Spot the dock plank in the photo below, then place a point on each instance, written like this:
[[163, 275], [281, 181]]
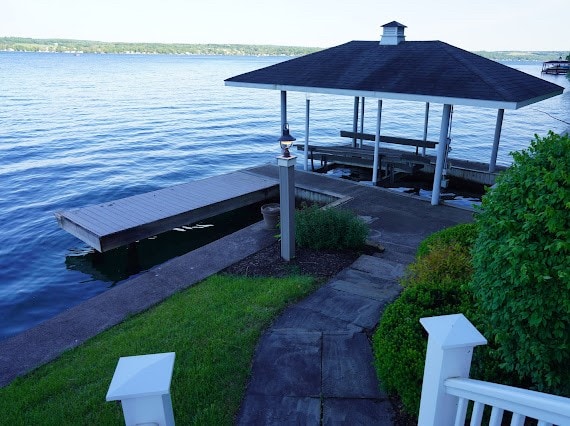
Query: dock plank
[[119, 222]]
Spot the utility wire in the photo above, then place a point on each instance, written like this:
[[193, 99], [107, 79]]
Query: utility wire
[[551, 116]]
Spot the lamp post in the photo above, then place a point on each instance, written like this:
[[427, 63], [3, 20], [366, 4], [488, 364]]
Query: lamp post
[[286, 164]]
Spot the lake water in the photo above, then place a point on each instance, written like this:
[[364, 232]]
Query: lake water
[[79, 130]]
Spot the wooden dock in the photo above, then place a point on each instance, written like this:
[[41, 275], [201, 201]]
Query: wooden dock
[[391, 160], [121, 222]]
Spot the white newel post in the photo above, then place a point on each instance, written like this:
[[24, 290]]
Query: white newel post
[[142, 384], [449, 351]]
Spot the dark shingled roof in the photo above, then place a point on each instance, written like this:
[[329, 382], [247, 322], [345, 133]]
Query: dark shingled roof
[[394, 24], [428, 71]]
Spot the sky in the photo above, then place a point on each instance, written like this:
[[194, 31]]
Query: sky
[[475, 25]]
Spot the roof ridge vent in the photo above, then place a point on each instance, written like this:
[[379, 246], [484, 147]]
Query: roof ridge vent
[[393, 34]]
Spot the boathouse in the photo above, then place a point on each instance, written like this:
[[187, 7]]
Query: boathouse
[[558, 67], [414, 71]]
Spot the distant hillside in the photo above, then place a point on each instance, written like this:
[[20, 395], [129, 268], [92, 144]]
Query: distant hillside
[[523, 56], [85, 46], [19, 44]]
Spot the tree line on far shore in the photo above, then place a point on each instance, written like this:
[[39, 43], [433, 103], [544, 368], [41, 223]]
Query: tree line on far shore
[[20, 44]]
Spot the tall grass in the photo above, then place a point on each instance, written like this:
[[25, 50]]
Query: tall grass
[[331, 228]]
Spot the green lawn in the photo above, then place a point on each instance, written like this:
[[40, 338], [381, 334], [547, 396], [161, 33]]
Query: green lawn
[[213, 327]]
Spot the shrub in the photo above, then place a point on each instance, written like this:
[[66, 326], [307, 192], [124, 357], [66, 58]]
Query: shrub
[[435, 284], [444, 256], [329, 229], [400, 342], [463, 234], [442, 264], [521, 264]]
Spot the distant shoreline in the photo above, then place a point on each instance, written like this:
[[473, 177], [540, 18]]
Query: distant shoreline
[[77, 53], [20, 44]]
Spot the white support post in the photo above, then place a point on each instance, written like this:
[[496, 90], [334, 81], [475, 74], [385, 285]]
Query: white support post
[[307, 110], [377, 144], [287, 205], [142, 384], [355, 120], [283, 109], [441, 154], [449, 351], [495, 151], [426, 119], [361, 121]]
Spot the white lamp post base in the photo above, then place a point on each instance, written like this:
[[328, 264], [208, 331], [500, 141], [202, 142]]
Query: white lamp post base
[[287, 205]]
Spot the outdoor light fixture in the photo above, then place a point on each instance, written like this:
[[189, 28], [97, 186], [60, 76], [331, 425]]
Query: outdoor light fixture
[[286, 166], [286, 140]]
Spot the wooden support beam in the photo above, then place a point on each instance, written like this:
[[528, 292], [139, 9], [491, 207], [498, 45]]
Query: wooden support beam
[[389, 139]]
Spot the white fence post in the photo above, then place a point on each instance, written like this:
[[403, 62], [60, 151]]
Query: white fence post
[[142, 384], [449, 351]]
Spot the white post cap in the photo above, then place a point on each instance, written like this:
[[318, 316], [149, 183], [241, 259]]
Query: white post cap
[[452, 331], [143, 375], [286, 161]]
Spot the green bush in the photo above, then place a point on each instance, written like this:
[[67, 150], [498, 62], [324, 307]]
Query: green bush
[[400, 341], [443, 263], [444, 256], [330, 228], [435, 284], [521, 264], [463, 234]]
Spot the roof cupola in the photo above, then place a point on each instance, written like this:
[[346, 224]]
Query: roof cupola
[[393, 34]]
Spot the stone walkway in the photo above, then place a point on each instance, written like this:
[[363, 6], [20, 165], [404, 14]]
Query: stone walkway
[[315, 364]]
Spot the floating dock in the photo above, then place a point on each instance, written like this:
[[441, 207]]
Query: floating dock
[[121, 222]]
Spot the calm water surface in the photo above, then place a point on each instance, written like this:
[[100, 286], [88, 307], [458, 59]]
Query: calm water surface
[[79, 130]]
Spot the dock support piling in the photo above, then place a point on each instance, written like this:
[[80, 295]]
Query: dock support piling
[[426, 119], [377, 144], [283, 109], [495, 151], [361, 122], [441, 154], [355, 120], [306, 151]]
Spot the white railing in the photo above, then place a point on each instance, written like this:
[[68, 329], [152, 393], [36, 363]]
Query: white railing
[[447, 390], [548, 409]]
